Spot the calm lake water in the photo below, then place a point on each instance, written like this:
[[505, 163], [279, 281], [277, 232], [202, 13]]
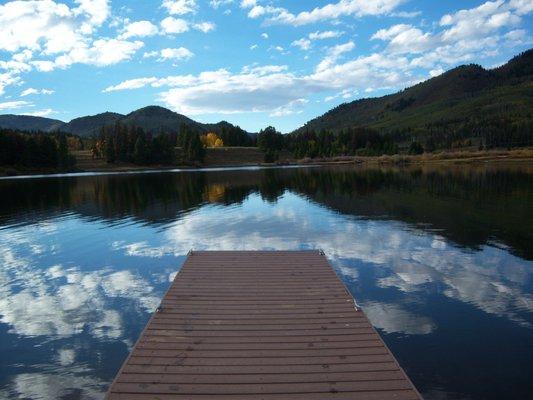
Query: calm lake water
[[439, 259]]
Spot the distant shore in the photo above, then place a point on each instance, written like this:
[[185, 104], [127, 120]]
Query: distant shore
[[249, 157], [444, 157]]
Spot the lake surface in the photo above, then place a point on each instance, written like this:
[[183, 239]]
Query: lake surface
[[439, 259]]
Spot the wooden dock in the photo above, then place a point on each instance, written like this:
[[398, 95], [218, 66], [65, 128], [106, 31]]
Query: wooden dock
[[259, 325]]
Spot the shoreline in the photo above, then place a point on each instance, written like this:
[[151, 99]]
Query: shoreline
[[444, 158]]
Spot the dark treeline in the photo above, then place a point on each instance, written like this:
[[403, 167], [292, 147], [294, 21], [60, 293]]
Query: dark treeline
[[125, 143], [35, 150], [482, 134], [361, 141], [234, 136], [349, 142]]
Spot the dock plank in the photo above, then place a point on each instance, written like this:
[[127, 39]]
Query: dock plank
[[259, 325]]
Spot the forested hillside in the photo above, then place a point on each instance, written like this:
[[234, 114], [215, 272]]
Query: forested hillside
[[29, 123], [465, 105], [91, 125]]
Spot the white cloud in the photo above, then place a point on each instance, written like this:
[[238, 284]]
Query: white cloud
[[253, 46], [102, 52], [180, 53], [517, 37], [217, 3], [248, 3], [406, 14], [453, 54], [264, 35], [522, 7], [344, 94], [30, 91], [48, 26], [98, 10], [7, 79], [150, 54], [303, 44], [478, 22], [252, 92], [41, 113], [172, 25], [264, 69], [15, 67], [325, 35], [43, 66], [12, 105], [59, 35], [23, 56], [393, 31], [248, 91], [293, 107], [132, 83], [330, 11], [265, 89], [464, 36], [436, 72], [257, 11], [205, 27], [333, 55], [180, 7], [32, 24], [404, 38], [139, 29]]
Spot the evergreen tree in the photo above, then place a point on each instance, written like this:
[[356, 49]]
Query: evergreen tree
[[47, 151], [110, 149], [270, 139], [140, 153], [194, 149], [163, 149], [62, 153], [415, 148]]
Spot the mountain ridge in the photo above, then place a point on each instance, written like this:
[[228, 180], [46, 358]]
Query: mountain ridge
[[29, 123], [154, 119]]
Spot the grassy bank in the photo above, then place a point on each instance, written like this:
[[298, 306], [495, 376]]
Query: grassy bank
[[215, 157], [525, 154]]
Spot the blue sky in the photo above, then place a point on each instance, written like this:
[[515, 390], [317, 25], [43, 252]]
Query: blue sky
[[251, 62]]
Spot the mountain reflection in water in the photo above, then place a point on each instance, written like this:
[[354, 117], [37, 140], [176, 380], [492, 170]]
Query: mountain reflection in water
[[440, 260]]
